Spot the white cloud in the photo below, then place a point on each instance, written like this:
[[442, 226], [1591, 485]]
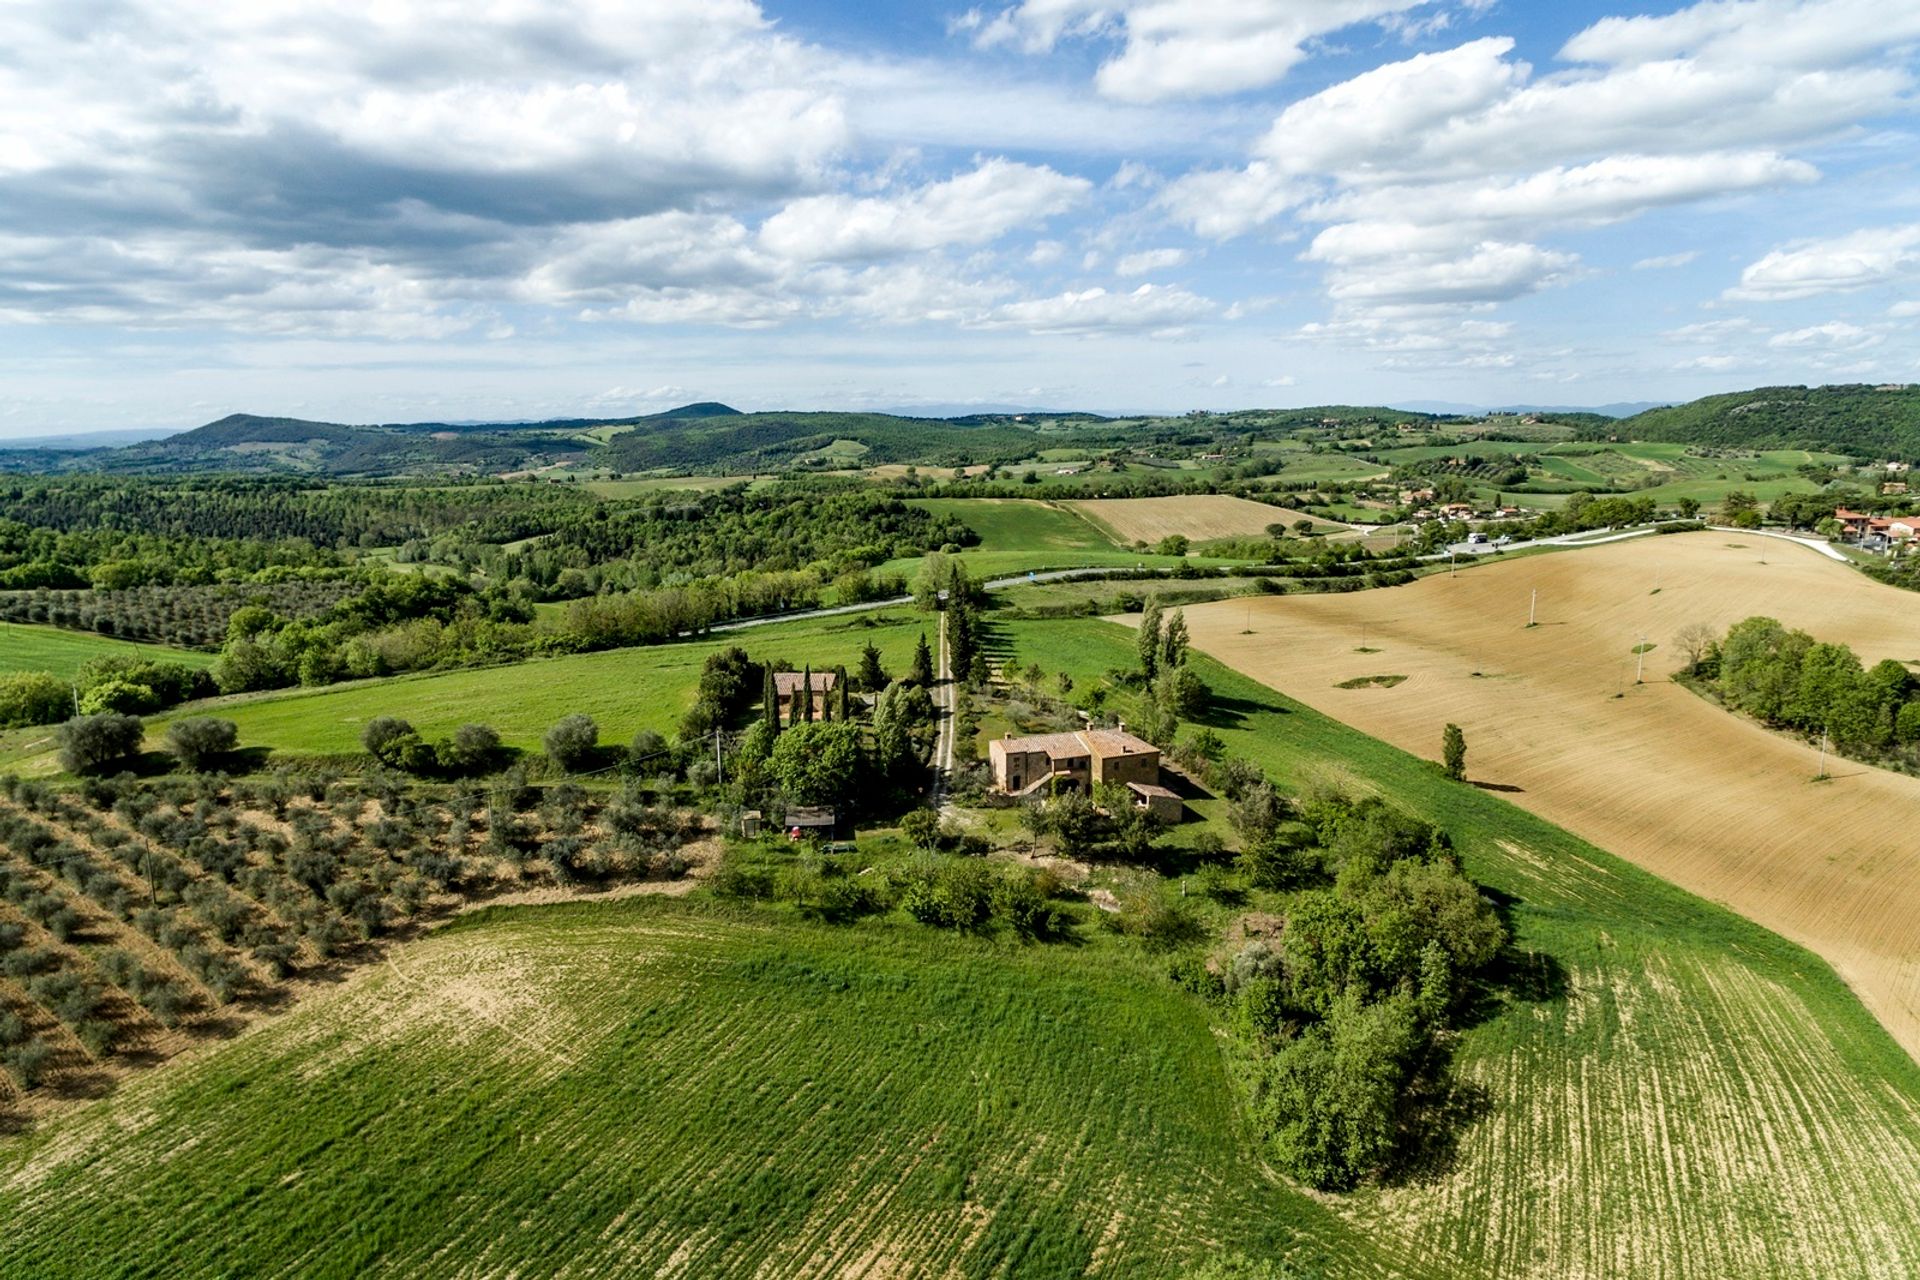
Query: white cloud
[[1046, 252], [1666, 261], [1441, 180], [1834, 335], [1181, 48], [1489, 272], [973, 208], [1149, 308], [1150, 260], [1713, 330], [1768, 33], [1857, 260]]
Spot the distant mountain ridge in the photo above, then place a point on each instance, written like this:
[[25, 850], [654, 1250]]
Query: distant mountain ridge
[[1859, 420]]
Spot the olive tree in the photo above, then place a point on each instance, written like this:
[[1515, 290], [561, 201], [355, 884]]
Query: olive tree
[[199, 742], [93, 744], [572, 741]]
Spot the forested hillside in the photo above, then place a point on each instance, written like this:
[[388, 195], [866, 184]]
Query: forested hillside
[[1866, 421], [768, 441]]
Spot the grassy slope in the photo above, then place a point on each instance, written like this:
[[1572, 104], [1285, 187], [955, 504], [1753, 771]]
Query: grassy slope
[[625, 690], [650, 1087], [1684, 1107], [1679, 1093], [31, 648], [1022, 534]]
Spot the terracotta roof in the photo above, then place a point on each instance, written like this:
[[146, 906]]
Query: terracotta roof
[[785, 682], [1056, 746], [1152, 789], [1113, 742]]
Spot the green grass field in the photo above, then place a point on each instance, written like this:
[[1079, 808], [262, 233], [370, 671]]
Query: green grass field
[[1656, 1087], [625, 690], [1020, 535], [33, 648], [650, 1087], [1690, 1095]]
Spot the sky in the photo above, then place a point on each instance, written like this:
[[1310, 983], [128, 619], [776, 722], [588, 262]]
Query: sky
[[496, 209]]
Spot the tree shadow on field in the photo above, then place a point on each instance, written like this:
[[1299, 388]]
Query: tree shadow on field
[[1440, 1107], [1505, 787], [1226, 712]]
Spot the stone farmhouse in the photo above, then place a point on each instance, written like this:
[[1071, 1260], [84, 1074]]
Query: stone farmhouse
[[1042, 763]]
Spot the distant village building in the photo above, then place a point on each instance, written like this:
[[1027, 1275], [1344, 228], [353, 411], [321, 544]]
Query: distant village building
[[1078, 761], [1876, 533]]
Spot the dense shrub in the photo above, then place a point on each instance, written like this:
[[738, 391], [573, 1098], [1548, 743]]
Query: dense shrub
[[98, 743], [201, 742], [33, 697], [572, 741]]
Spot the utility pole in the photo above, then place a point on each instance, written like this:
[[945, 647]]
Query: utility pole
[[1821, 776], [719, 762], [1533, 607], [1640, 665]]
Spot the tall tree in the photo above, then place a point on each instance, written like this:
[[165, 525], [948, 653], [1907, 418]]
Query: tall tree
[[921, 672], [873, 676], [960, 639], [1453, 751], [770, 700], [1173, 641], [840, 693], [806, 694], [1148, 639]]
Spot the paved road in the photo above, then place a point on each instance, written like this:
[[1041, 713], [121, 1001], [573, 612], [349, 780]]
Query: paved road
[[943, 742], [1821, 545], [1590, 538], [865, 606]]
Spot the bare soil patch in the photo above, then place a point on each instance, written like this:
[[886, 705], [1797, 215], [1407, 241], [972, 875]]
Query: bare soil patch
[[1194, 516], [1710, 801]]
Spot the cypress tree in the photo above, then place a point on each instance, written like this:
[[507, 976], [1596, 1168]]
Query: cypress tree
[[921, 673], [873, 676], [806, 694], [840, 693], [770, 700], [1149, 638], [1173, 642]]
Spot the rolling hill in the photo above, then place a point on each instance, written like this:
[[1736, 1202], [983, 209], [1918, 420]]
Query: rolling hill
[[1866, 421]]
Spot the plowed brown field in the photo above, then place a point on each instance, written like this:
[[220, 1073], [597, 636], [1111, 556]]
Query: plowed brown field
[[1197, 516], [1699, 796]]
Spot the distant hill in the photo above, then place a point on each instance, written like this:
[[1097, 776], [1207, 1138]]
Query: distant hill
[[739, 442], [88, 439], [713, 437], [1865, 421], [1452, 409]]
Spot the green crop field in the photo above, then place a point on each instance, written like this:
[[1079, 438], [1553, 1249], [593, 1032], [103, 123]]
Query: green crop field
[[1654, 1086], [1021, 524], [625, 690], [1690, 1095], [650, 1087], [33, 648], [1019, 535]]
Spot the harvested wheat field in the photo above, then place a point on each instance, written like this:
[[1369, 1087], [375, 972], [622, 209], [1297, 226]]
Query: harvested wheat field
[[1712, 802], [1195, 516]]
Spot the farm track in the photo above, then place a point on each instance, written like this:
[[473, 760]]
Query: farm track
[[1712, 802]]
